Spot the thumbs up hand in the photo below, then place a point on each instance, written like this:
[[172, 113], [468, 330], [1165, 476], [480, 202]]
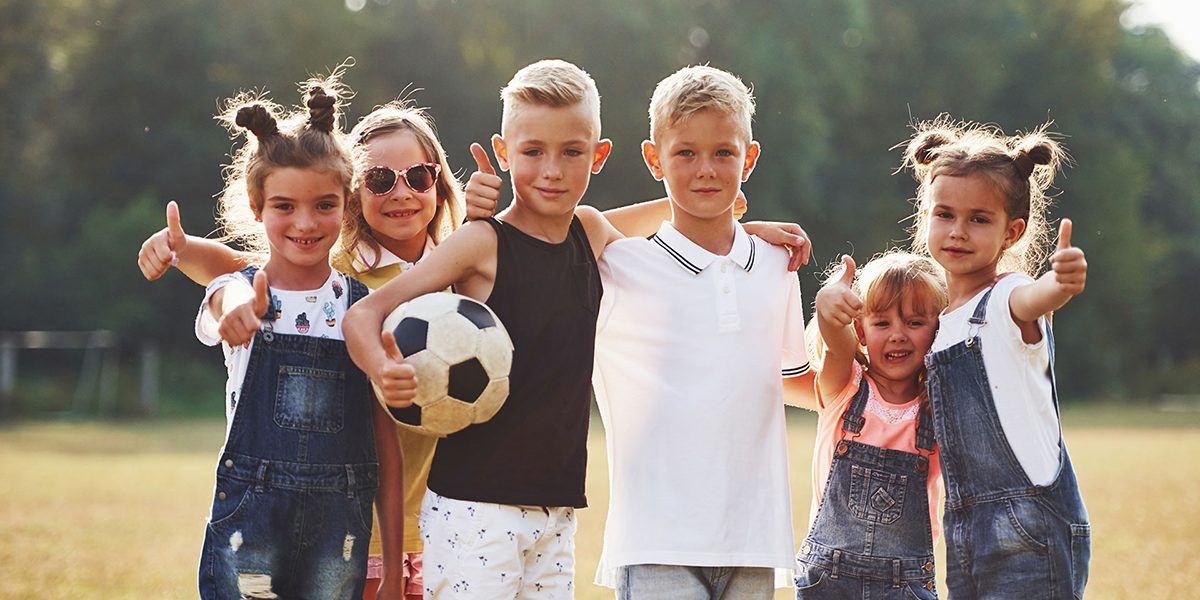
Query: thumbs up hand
[[395, 380], [161, 250], [483, 188], [1068, 263], [836, 301], [238, 325]]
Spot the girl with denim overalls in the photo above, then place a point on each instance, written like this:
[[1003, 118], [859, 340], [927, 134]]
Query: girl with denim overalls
[[296, 479], [1015, 523], [875, 467]]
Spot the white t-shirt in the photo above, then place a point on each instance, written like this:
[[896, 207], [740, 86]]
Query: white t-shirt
[[315, 313], [1017, 373], [690, 352]]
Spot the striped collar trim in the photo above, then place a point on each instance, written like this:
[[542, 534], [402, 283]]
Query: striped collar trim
[[695, 259]]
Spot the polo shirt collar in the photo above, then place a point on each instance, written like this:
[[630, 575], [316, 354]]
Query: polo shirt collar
[[695, 259], [386, 258]]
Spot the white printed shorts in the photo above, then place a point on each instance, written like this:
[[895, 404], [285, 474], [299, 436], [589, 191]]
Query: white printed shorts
[[497, 551]]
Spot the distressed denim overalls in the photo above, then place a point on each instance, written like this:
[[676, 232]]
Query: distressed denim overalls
[[871, 539], [291, 514], [1005, 537]]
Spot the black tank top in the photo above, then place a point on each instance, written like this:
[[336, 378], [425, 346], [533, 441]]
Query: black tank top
[[534, 451]]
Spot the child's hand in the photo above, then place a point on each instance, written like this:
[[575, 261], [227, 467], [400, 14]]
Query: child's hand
[[1068, 263], [390, 588], [483, 189], [239, 324], [161, 250], [395, 379], [788, 235], [836, 302], [739, 206]]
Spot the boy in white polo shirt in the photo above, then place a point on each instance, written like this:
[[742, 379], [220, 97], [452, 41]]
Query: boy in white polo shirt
[[700, 336]]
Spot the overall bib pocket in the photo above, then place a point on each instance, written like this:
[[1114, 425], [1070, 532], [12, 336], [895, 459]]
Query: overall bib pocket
[[876, 496], [309, 399]]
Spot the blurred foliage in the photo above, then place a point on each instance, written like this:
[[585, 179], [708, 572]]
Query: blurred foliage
[[108, 107]]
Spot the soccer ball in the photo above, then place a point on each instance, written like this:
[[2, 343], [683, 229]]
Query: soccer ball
[[462, 356]]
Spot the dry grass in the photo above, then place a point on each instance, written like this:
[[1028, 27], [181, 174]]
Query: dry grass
[[97, 510]]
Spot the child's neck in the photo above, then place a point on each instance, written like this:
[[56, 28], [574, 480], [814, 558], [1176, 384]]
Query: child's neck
[[548, 228], [714, 235], [287, 276], [895, 391], [410, 250], [962, 287]]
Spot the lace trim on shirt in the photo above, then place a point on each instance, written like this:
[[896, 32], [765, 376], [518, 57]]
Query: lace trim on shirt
[[891, 415]]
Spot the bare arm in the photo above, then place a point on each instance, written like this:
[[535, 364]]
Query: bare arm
[[600, 231], [466, 260], [837, 308], [389, 500], [1051, 291], [202, 260], [798, 391], [789, 235], [641, 219]]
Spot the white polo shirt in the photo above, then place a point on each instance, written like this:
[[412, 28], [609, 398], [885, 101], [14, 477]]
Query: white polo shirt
[[690, 349]]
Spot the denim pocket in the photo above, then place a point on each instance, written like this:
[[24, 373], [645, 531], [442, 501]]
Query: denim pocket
[[229, 499], [1081, 555], [809, 581], [309, 399], [918, 591], [876, 496], [1026, 526]]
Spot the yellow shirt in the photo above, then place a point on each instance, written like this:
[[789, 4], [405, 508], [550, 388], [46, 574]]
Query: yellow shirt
[[417, 449]]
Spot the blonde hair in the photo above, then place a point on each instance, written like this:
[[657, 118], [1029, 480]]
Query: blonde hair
[[693, 89], [1021, 167], [391, 118], [885, 281], [553, 83], [306, 138]]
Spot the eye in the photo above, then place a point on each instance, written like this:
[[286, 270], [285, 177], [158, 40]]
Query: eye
[[532, 152], [724, 152], [282, 206], [980, 219], [573, 152], [942, 214], [327, 205], [916, 323], [685, 153]]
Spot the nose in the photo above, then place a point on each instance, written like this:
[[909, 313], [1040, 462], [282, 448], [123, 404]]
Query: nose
[[552, 169], [707, 169]]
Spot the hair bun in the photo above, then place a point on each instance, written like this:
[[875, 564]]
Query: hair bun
[[321, 112], [1028, 158], [258, 120], [922, 150]]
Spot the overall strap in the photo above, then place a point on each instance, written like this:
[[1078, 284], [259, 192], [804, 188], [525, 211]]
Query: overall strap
[[925, 439], [248, 273], [358, 291], [852, 419]]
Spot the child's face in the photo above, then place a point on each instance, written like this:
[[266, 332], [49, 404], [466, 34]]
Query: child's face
[[551, 154], [702, 160], [403, 214], [969, 227], [897, 340], [302, 213]]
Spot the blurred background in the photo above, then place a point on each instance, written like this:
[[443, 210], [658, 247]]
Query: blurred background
[[107, 112], [108, 109]]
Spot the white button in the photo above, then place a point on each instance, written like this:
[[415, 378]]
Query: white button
[[723, 264], [725, 289]]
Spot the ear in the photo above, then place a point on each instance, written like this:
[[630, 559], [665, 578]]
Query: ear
[[1013, 233], [650, 155], [500, 149], [254, 208], [859, 334], [752, 152], [603, 149]]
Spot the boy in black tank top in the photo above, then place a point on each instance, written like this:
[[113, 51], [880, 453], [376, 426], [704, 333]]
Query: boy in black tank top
[[498, 520]]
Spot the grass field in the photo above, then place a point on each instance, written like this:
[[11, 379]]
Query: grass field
[[116, 510]]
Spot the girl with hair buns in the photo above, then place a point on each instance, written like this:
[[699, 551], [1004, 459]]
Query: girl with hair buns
[[406, 201], [875, 469], [1015, 522], [297, 476]]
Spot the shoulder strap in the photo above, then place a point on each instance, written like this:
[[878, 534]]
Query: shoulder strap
[[852, 419], [248, 273], [358, 290]]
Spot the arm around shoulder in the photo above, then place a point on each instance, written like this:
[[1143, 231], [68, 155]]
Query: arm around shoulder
[[600, 231]]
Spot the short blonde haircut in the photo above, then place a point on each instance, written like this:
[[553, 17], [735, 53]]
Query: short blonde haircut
[[693, 89], [553, 83]]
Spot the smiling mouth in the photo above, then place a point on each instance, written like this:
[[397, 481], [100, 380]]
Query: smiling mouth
[[956, 251], [401, 214], [305, 242], [551, 191], [897, 355]]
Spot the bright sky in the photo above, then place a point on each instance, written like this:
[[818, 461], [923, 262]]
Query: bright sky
[[1179, 18]]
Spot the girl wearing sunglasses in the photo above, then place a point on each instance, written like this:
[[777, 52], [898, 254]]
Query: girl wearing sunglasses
[[408, 200]]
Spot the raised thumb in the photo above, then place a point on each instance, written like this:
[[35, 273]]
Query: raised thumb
[[1064, 234], [390, 347], [483, 163]]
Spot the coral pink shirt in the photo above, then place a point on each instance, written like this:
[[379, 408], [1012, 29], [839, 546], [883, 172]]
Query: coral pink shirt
[[891, 426]]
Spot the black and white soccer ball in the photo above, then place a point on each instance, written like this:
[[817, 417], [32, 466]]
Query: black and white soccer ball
[[462, 355]]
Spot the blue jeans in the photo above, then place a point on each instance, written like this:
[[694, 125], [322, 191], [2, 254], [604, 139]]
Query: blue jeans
[[677, 582]]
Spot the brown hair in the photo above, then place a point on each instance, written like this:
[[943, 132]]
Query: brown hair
[[884, 282], [307, 138], [391, 118], [1021, 167]]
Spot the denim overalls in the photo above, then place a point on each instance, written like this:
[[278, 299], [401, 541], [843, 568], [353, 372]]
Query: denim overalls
[[291, 514], [871, 539], [1005, 537]]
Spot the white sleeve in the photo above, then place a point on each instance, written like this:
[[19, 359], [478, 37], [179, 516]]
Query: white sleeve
[[998, 304], [206, 323], [795, 350]]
